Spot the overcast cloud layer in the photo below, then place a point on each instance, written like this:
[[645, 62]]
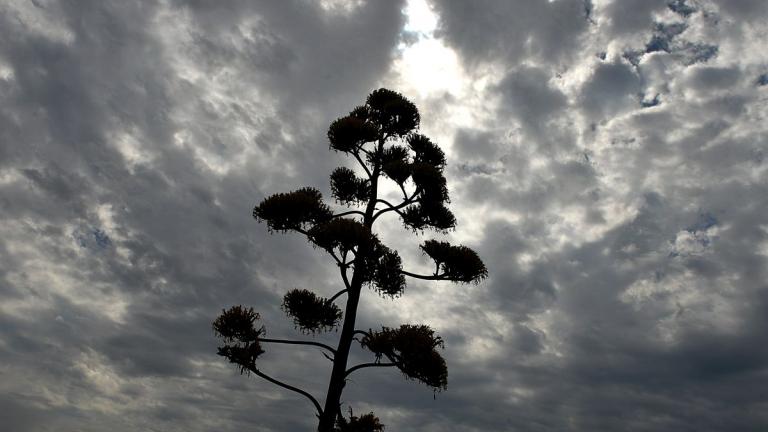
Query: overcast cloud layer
[[606, 158]]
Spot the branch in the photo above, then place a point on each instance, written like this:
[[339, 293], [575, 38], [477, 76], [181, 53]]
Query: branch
[[402, 188], [425, 277], [406, 201], [391, 207], [344, 277], [292, 342], [330, 251], [394, 358], [289, 387], [335, 258], [362, 332], [362, 149], [365, 167], [366, 365], [357, 212], [337, 295]]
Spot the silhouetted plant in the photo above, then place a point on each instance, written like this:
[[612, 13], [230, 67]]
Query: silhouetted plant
[[381, 137], [365, 423]]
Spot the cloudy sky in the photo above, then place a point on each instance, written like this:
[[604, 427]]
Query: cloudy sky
[[607, 159]]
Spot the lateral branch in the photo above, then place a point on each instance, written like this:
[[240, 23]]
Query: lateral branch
[[367, 365], [289, 387], [337, 295], [394, 208], [293, 342], [351, 212], [425, 277], [363, 164]]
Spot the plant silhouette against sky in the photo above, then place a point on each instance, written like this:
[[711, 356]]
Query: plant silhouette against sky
[[381, 136]]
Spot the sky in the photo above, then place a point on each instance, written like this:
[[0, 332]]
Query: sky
[[606, 159]]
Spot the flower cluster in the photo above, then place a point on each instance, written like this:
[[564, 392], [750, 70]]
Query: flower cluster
[[365, 423], [293, 210], [349, 133], [458, 263], [236, 326], [413, 349], [387, 278], [311, 313], [394, 114], [347, 188], [395, 163], [426, 151], [347, 235]]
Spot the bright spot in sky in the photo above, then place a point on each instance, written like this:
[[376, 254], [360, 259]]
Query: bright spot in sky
[[427, 65], [420, 17]]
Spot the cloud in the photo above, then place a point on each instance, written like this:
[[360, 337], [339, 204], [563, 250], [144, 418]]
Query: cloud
[[632, 16], [605, 158], [130, 173], [610, 262], [612, 88], [744, 9], [512, 31]]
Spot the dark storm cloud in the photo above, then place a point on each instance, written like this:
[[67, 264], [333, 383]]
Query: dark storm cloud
[[527, 91], [514, 290], [625, 238], [122, 240], [512, 31], [612, 88], [473, 144], [526, 95], [630, 313], [295, 45], [611, 354]]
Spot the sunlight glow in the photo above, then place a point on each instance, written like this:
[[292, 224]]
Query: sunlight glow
[[427, 66], [421, 18], [430, 67]]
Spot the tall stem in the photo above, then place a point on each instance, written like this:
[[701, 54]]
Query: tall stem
[[338, 374]]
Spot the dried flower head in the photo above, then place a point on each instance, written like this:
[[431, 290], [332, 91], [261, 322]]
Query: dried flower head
[[236, 326], [458, 263], [395, 163], [348, 133], [311, 313], [365, 423], [342, 233], [429, 215], [413, 349], [347, 188], [293, 210], [387, 278], [396, 115], [426, 151]]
